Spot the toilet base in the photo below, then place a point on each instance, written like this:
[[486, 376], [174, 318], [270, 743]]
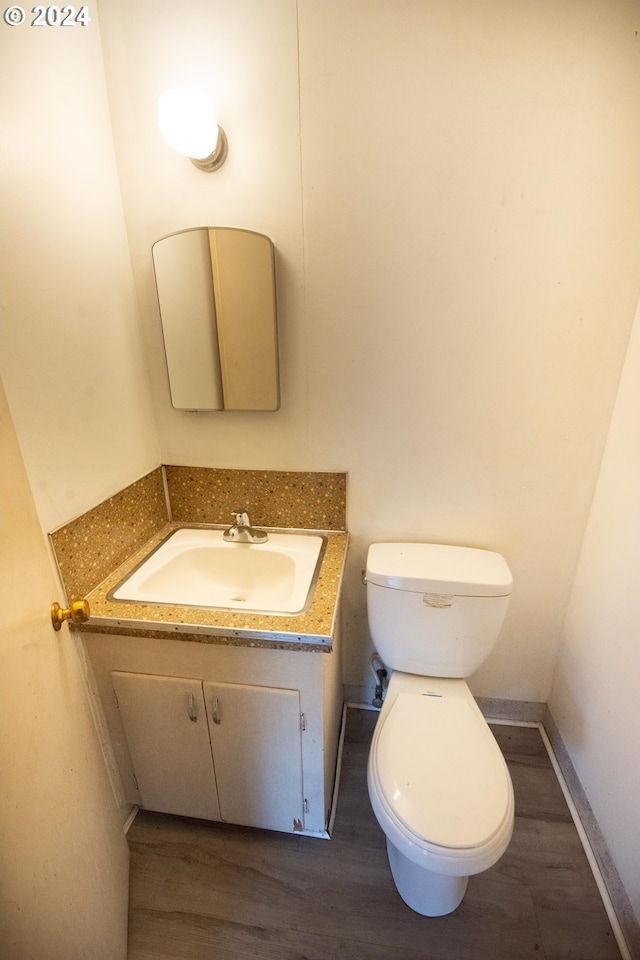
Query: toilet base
[[428, 893]]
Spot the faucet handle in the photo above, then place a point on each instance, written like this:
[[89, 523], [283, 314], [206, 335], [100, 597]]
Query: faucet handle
[[242, 531]]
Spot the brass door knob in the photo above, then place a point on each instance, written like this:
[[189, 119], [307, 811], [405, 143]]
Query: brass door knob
[[78, 612]]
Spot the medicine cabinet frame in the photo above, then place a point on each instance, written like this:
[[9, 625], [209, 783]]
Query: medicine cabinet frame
[[217, 300]]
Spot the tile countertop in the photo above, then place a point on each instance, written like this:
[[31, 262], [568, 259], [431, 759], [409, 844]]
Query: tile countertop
[[313, 630]]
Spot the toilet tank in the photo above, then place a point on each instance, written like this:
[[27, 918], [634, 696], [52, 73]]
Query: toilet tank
[[433, 609]]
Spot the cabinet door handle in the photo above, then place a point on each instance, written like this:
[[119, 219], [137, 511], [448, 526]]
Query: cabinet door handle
[[215, 710], [192, 709]]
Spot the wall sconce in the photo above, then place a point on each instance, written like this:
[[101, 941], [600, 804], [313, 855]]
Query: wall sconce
[[189, 125]]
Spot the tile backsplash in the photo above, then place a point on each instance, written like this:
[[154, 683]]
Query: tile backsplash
[[93, 545], [90, 547], [274, 498]]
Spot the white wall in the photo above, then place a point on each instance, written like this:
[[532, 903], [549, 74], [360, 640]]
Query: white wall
[[73, 368], [594, 699], [70, 354], [464, 164], [246, 53], [455, 207]]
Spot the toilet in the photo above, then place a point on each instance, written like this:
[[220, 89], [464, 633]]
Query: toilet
[[438, 782]]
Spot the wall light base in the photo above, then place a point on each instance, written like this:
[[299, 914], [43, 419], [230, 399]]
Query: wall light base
[[215, 160]]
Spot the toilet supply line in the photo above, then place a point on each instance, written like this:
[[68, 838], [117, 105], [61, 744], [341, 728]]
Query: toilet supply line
[[380, 674]]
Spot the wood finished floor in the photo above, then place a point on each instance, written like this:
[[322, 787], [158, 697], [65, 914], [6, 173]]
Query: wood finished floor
[[207, 891]]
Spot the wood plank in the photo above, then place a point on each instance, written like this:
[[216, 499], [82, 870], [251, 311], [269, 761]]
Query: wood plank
[[202, 889]]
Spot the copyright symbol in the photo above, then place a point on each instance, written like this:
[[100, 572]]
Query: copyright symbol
[[14, 16]]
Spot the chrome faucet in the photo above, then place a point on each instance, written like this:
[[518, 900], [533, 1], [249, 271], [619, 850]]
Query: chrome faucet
[[242, 531]]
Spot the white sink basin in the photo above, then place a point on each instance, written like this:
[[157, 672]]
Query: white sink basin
[[197, 568]]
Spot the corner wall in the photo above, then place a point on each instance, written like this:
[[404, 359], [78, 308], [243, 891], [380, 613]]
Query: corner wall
[[594, 701], [71, 355], [452, 192]]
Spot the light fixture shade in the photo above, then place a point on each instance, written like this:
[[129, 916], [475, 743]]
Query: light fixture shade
[[188, 124]]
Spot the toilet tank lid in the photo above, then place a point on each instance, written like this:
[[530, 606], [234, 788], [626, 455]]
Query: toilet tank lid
[[439, 568]]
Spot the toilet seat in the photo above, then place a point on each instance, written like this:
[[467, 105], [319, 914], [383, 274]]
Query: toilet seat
[[439, 784]]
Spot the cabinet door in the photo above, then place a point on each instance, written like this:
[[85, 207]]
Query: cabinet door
[[165, 724], [256, 741]]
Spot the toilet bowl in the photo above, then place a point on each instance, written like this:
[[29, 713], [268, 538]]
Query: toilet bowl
[[440, 790], [438, 782]]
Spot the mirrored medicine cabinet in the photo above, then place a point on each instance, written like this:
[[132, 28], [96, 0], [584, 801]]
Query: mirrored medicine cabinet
[[216, 292]]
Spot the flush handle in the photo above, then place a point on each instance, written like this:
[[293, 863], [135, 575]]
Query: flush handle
[[78, 612], [438, 600]]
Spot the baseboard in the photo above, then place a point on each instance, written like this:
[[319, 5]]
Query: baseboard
[[354, 694], [336, 782], [527, 711], [523, 710], [133, 810], [629, 925]]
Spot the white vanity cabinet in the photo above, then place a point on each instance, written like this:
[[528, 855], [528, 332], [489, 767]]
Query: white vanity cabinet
[[170, 752], [256, 735], [237, 733], [219, 751]]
